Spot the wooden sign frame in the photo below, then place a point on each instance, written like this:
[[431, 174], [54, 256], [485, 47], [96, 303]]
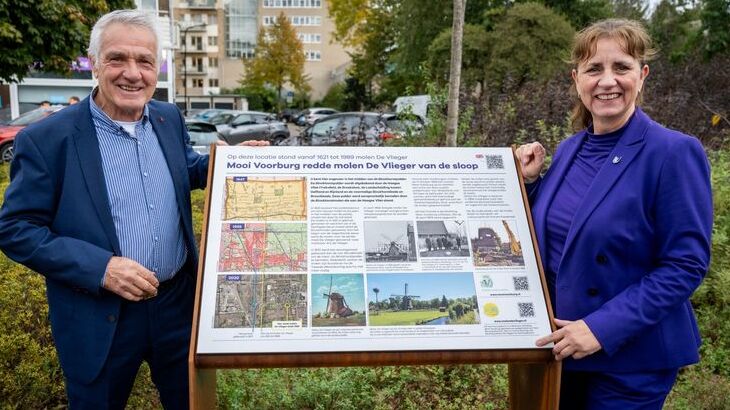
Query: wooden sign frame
[[534, 375]]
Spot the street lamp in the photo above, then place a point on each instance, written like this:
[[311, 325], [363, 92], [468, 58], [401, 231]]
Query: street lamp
[[185, 59]]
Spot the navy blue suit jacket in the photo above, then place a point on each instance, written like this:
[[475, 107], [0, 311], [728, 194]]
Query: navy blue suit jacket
[[638, 246], [56, 220]]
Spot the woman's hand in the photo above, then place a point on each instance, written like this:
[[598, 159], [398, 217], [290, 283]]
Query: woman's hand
[[573, 338], [532, 158]]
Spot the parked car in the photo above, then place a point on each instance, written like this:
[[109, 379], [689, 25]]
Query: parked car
[[310, 115], [217, 116], [254, 125], [399, 126], [289, 114], [11, 129], [202, 134], [203, 114], [354, 128], [418, 105]]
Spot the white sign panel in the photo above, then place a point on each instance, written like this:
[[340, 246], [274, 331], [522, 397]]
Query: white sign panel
[[368, 249]]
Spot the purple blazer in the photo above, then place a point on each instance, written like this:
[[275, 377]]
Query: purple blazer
[[638, 247]]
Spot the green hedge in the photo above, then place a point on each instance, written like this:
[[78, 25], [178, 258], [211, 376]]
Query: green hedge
[[31, 378]]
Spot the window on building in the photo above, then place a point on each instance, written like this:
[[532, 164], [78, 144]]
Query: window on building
[[310, 38], [313, 55], [213, 61], [213, 82], [197, 18], [293, 4], [213, 40], [212, 19], [197, 43], [241, 28], [197, 83], [306, 20]]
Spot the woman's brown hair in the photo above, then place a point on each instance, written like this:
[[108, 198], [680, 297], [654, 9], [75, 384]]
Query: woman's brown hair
[[634, 41]]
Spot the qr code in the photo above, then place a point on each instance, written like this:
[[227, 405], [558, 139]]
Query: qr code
[[521, 283], [494, 161], [526, 309]]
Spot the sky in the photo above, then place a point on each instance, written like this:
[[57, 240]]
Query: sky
[[348, 285], [425, 285]]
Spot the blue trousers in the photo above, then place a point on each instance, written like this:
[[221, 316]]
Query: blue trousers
[[619, 391], [155, 330]]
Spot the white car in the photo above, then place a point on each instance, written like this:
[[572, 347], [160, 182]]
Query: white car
[[310, 115]]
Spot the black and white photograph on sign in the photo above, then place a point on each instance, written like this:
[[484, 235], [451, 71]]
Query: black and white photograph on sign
[[252, 301], [338, 300], [422, 299], [495, 243], [263, 247], [442, 238], [389, 241]]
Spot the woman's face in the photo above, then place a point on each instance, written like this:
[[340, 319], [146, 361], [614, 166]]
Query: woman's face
[[608, 83]]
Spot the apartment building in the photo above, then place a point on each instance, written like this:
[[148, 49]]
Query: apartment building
[[216, 35], [326, 60]]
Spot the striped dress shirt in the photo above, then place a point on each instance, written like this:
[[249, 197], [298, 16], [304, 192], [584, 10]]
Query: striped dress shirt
[[141, 195]]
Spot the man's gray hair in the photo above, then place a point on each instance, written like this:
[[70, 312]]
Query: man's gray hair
[[138, 18]]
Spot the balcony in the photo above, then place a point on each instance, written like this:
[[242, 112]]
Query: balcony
[[193, 70], [201, 4]]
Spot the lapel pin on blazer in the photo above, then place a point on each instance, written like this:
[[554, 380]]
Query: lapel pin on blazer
[[616, 159]]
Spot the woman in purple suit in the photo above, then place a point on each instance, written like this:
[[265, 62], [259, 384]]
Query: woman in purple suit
[[623, 218]]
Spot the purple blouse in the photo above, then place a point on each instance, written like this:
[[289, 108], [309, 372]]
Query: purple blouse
[[587, 162]]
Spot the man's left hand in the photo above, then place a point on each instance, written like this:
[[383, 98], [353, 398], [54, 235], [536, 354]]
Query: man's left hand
[[573, 338]]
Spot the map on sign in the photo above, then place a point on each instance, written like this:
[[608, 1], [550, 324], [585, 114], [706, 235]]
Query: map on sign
[[265, 199], [263, 247], [260, 300]]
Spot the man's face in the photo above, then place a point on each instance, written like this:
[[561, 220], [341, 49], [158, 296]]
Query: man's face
[[126, 70]]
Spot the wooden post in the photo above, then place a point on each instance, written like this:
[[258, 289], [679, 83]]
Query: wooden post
[[202, 388], [534, 385]]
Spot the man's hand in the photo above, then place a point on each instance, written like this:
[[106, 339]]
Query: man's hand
[[251, 143], [532, 158], [573, 338], [129, 279], [254, 143]]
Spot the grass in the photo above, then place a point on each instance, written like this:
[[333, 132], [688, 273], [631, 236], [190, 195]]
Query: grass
[[404, 317]]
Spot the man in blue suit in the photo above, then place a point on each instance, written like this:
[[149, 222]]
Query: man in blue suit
[[99, 203]]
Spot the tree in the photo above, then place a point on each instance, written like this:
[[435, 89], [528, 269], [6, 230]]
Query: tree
[[475, 56], [452, 118], [581, 13], [47, 35], [279, 59], [368, 28], [335, 97], [716, 26], [444, 301], [530, 43], [673, 27], [630, 9]]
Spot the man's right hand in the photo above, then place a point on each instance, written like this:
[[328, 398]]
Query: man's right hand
[[129, 279], [532, 158]]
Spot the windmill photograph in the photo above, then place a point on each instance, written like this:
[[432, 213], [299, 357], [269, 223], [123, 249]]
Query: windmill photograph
[[338, 300], [495, 243], [422, 299], [390, 241]]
